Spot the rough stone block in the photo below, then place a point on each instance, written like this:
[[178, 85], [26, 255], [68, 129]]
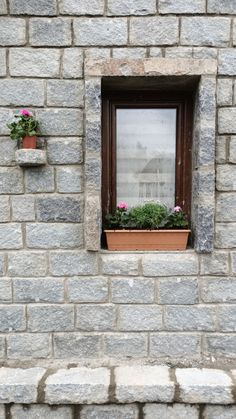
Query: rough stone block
[[225, 236], [23, 208], [221, 149], [95, 317], [178, 291], [6, 117], [190, 318], [138, 318], [87, 290], [232, 149], [82, 7], [2, 264], [12, 31], [33, 7], [2, 350], [78, 385], [65, 150], [220, 412], [70, 70], [5, 290], [30, 158], [93, 174], [204, 222], [162, 264], [181, 6], [180, 52], [227, 318], [225, 207], [100, 31], [224, 92], [110, 411], [133, 7], [12, 318], [58, 122], [40, 290], [132, 290], [19, 385], [205, 53], [214, 264], [50, 32], [59, 209], [4, 209], [28, 62], [120, 264], [69, 179], [221, 6], [175, 345], [39, 179], [218, 290], [73, 263], [154, 31], [98, 53], [227, 61], [21, 92], [93, 134], [41, 411], [10, 236], [27, 264], [205, 31], [143, 384], [123, 345], [130, 53], [227, 121], [50, 318], [11, 180], [204, 386], [28, 345], [3, 7], [57, 236], [8, 148], [221, 345], [93, 95], [92, 229], [175, 411], [226, 177], [65, 93], [76, 345], [156, 52]]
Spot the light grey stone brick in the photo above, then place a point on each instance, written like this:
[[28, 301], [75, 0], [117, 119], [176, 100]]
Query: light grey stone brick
[[221, 345], [6, 117], [93, 95], [12, 31], [50, 32], [50, 318], [120, 264], [100, 31], [221, 149], [59, 209], [87, 290], [70, 57], [156, 52], [131, 53], [4, 209], [93, 174], [178, 291], [221, 6], [59, 122], [95, 317], [11, 180], [133, 7], [64, 150], [3, 7], [5, 290], [139, 317], [225, 236], [143, 384], [220, 412], [93, 134], [57, 236], [21, 92], [132, 290], [225, 207], [27, 264], [178, 52], [78, 385], [82, 7], [233, 257], [98, 53], [204, 232], [227, 62], [227, 318], [2, 264], [12, 318], [73, 263], [154, 31], [218, 290], [30, 62], [76, 345], [175, 411], [32, 7], [232, 149], [39, 179], [189, 318], [40, 411], [2, 60], [28, 345], [8, 148], [175, 345], [161, 264], [205, 31], [181, 6], [10, 236], [204, 385], [224, 92], [205, 53], [69, 179], [123, 345], [40, 290], [2, 349], [20, 385], [92, 222], [227, 124], [214, 264], [23, 208], [28, 157], [68, 93], [226, 177], [110, 411]]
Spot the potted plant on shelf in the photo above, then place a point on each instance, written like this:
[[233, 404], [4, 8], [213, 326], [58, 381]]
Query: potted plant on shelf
[[150, 226], [25, 129]]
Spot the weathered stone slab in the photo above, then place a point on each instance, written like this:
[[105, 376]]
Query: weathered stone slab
[[81, 7], [154, 31], [32, 7], [41, 411], [28, 346], [133, 7], [12, 31], [181, 6], [205, 31], [175, 345], [28, 157], [50, 32], [21, 92], [113, 411], [76, 346], [100, 31], [123, 345], [175, 411], [28, 62], [162, 264]]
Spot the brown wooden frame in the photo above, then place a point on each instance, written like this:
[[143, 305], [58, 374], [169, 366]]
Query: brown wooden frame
[[183, 102]]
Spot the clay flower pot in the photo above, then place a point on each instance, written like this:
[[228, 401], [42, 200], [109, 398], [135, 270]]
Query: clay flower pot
[[29, 142]]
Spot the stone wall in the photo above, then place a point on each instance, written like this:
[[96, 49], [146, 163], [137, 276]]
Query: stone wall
[[62, 299]]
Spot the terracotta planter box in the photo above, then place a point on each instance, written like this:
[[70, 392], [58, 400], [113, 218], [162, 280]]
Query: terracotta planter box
[[147, 239]]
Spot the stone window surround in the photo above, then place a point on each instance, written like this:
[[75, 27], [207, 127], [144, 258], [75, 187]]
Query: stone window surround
[[204, 133]]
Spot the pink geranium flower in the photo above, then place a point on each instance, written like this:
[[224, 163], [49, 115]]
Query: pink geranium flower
[[122, 205], [177, 209], [25, 112]]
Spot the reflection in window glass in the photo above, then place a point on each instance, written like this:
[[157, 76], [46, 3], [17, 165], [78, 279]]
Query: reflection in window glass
[[146, 151]]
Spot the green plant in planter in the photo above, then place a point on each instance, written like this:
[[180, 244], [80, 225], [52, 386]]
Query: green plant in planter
[[25, 125]]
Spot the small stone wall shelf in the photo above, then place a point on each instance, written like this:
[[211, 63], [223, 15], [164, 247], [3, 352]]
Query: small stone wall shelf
[[26, 157]]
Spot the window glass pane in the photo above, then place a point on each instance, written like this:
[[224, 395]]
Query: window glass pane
[[146, 151]]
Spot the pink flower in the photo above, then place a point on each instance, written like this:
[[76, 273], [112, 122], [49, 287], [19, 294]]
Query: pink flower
[[122, 205], [25, 112], [177, 209]]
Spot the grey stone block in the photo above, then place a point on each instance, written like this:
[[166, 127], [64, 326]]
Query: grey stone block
[[156, 52], [20, 385], [11, 180], [33, 7], [12, 318], [124, 345], [27, 264], [82, 7], [205, 53], [78, 385], [224, 92], [227, 124], [41, 411], [225, 235], [40, 290], [28, 345], [225, 177], [59, 209], [50, 318], [92, 222], [8, 147], [225, 207], [143, 384], [100, 31], [178, 52], [120, 264], [50, 32], [221, 6], [221, 149], [6, 117], [110, 411], [227, 62], [21, 92], [65, 93], [181, 6], [96, 317], [2, 349], [69, 179], [73, 263], [196, 318], [87, 290], [59, 122], [233, 258], [175, 345], [220, 412], [23, 208], [3, 7], [178, 291], [132, 53], [221, 345], [2, 264], [93, 134], [65, 150], [232, 149], [205, 31], [98, 53], [5, 290], [39, 179], [10, 236], [54, 236], [30, 62], [204, 222], [70, 70], [12, 31], [218, 290], [30, 158], [161, 264], [154, 31], [93, 95], [140, 318], [175, 411], [214, 264], [132, 290], [204, 386], [93, 174], [76, 345], [133, 7], [227, 318], [4, 209]]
